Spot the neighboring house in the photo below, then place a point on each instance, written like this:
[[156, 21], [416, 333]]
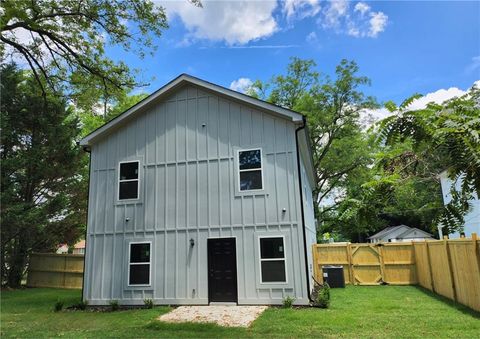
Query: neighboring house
[[200, 194], [78, 248], [472, 218], [400, 233], [62, 249]]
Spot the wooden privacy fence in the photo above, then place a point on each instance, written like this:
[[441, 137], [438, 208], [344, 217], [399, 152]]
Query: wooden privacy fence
[[368, 264], [55, 270], [448, 267]]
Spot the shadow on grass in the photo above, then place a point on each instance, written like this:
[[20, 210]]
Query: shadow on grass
[[462, 308]]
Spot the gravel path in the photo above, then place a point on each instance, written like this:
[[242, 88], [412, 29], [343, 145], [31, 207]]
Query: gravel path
[[232, 316]]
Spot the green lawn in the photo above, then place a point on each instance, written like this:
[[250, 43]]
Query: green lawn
[[379, 311]]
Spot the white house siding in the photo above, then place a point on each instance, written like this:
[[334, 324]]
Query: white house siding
[[187, 192], [472, 218]]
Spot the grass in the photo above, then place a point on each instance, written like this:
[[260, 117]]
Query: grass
[[356, 311]]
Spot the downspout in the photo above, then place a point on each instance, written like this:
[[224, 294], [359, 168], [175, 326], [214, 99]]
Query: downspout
[[299, 170], [89, 151]]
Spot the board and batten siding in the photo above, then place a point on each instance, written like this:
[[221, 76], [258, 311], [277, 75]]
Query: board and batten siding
[[186, 145]]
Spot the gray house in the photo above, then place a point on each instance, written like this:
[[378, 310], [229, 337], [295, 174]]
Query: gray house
[[199, 194]]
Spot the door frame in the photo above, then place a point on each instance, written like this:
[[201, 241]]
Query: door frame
[[236, 266]]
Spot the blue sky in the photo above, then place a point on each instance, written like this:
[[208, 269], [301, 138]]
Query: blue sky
[[403, 47]]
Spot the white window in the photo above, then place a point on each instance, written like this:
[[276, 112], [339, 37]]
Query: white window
[[128, 180], [139, 263], [272, 260], [250, 173]]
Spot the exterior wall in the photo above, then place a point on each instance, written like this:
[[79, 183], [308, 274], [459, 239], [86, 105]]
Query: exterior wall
[[310, 228], [472, 218], [186, 146]]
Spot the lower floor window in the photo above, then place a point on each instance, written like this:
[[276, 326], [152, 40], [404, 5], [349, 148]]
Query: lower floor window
[[272, 260], [139, 263]]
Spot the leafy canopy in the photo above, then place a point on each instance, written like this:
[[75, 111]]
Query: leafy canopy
[[64, 41]]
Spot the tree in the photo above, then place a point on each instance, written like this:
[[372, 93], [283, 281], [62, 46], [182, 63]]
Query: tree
[[40, 160], [443, 137], [333, 111], [64, 41]]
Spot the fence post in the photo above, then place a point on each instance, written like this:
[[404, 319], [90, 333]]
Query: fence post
[[350, 263], [476, 249], [64, 271], [450, 268], [315, 260], [414, 260], [382, 263], [432, 284]]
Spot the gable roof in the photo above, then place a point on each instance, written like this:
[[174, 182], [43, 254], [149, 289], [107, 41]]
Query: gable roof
[[387, 231], [178, 82], [405, 235]]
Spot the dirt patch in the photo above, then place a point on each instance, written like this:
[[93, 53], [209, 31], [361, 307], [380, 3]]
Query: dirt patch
[[231, 316]]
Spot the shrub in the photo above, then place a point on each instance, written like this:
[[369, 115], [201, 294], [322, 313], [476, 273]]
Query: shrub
[[288, 301], [58, 306], [322, 299], [114, 305], [148, 303]]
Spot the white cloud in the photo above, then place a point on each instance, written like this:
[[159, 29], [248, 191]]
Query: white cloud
[[474, 64], [438, 97], [360, 22], [234, 22], [312, 38], [301, 8], [241, 84], [334, 13], [378, 21], [362, 7]]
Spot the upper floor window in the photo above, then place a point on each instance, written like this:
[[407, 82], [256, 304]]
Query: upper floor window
[[128, 180], [250, 170]]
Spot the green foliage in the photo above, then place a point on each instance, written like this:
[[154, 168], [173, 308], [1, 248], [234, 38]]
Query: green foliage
[[442, 137], [43, 198], [114, 305], [288, 301], [322, 296], [69, 39], [148, 303], [58, 306]]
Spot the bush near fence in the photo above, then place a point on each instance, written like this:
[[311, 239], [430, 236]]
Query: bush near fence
[[55, 270], [449, 267]]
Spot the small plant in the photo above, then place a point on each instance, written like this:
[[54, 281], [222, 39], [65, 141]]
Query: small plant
[[148, 303], [288, 301], [114, 305], [322, 299], [58, 306]]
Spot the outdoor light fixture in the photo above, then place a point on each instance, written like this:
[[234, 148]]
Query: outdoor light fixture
[[192, 242]]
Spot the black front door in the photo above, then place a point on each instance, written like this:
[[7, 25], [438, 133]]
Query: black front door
[[222, 270]]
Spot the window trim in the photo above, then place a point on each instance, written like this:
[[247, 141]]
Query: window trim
[[238, 170], [260, 237], [128, 180], [130, 243]]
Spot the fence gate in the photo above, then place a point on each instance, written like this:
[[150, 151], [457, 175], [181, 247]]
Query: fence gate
[[366, 264]]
